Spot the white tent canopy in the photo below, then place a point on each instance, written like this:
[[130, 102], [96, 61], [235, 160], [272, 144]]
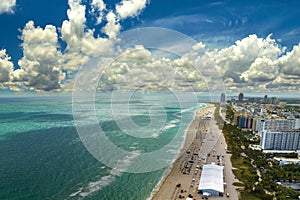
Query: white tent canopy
[[211, 180]]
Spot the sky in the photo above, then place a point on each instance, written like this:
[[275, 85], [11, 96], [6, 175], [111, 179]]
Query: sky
[[253, 46]]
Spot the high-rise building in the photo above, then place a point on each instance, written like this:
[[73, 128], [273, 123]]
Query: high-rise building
[[243, 121], [223, 98], [241, 97], [275, 125], [281, 140], [297, 123], [265, 100], [274, 100]]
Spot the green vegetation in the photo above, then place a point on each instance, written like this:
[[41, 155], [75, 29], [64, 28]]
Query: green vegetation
[[238, 184], [249, 196], [229, 114], [292, 108], [217, 116], [249, 164]]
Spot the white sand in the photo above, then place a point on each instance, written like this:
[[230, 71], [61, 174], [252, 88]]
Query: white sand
[[213, 140]]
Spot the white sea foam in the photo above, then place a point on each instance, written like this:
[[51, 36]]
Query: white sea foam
[[155, 135], [171, 124], [123, 164], [77, 192], [96, 186], [158, 185]]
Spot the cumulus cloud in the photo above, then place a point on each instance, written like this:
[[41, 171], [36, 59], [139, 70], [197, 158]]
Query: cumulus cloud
[[6, 6], [81, 42], [199, 46], [290, 63], [98, 6], [261, 70], [251, 63], [96, 46], [139, 68], [239, 57], [112, 27], [40, 66], [130, 8], [72, 30], [282, 83], [136, 55], [6, 66]]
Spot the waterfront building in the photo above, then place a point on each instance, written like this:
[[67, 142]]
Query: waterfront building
[[281, 140], [275, 125]]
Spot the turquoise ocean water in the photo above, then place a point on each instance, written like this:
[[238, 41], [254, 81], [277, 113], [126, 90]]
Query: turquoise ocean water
[[42, 157]]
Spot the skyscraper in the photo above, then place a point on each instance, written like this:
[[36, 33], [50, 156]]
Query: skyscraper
[[223, 97], [265, 99], [241, 97], [274, 100]]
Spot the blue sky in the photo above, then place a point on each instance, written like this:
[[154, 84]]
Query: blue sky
[[28, 25]]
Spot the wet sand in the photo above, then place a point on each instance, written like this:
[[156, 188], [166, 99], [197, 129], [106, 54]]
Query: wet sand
[[203, 136]]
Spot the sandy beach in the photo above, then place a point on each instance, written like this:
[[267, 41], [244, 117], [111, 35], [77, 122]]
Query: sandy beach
[[203, 137]]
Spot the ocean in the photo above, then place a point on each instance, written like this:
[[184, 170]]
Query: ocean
[[43, 157]]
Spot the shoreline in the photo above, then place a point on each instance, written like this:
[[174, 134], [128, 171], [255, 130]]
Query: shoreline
[[190, 135], [168, 171], [203, 136]]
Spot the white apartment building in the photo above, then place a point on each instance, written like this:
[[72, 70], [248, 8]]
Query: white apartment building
[[276, 125], [281, 140], [297, 124]]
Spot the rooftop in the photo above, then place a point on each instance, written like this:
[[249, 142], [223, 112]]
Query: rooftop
[[212, 178]]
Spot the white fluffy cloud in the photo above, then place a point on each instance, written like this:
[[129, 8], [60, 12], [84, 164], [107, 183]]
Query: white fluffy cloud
[[113, 27], [130, 8], [234, 60], [290, 63], [199, 46], [98, 6], [6, 66], [261, 70], [6, 6], [257, 64], [252, 63], [136, 55], [40, 66], [81, 42], [139, 68], [72, 30]]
